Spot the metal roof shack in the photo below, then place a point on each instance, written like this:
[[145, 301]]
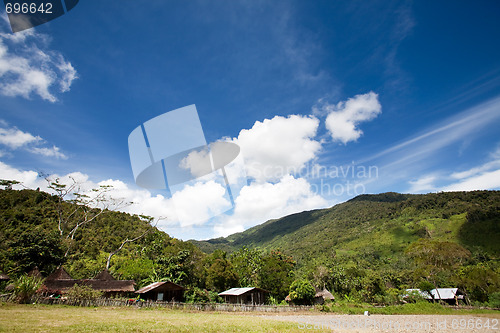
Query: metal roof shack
[[162, 291], [250, 295], [448, 295]]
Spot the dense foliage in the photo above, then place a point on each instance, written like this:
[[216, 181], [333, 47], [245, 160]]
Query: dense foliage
[[30, 237], [368, 249], [374, 246]]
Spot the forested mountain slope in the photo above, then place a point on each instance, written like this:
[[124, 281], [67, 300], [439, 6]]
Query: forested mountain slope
[[381, 225]]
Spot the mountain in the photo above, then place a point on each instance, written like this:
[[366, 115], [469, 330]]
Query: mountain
[[377, 226]]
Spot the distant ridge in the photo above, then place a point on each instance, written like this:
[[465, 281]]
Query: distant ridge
[[379, 225]]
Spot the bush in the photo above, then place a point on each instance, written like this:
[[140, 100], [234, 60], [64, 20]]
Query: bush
[[197, 295], [25, 287], [78, 292], [302, 292], [494, 300]]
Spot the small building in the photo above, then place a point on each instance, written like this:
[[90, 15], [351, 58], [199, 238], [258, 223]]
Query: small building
[[110, 286], [4, 277], [448, 295], [250, 295], [322, 296], [162, 291], [59, 282]]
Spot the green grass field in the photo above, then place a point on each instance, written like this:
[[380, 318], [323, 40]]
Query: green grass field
[[54, 318]]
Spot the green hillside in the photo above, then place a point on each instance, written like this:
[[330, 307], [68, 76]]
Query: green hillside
[[378, 226], [368, 249]]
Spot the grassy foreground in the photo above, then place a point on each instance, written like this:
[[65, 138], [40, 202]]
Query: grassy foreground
[[55, 318]]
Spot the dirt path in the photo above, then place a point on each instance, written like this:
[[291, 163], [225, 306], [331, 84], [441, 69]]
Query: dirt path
[[393, 323]]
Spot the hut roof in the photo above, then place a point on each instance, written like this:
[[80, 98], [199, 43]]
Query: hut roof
[[240, 291], [110, 285], [4, 277], [155, 285], [35, 272], [105, 275], [62, 286], [325, 294], [59, 274]]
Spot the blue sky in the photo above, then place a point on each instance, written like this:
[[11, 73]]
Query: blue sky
[[405, 94]]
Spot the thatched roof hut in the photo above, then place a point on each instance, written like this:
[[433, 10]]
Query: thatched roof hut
[[59, 282], [35, 272], [59, 274], [322, 296]]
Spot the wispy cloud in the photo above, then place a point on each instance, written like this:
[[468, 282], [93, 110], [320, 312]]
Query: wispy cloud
[[14, 139], [453, 129], [29, 67]]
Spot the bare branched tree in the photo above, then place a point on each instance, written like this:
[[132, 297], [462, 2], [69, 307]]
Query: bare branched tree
[[86, 206]]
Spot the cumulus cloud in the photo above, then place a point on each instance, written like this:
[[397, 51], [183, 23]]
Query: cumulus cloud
[[14, 138], [259, 202], [29, 67], [274, 147], [343, 118]]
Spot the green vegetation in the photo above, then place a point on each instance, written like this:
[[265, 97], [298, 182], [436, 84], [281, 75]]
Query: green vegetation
[[25, 287], [78, 292], [302, 292], [367, 250], [372, 247]]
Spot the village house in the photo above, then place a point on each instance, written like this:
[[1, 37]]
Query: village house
[[323, 295], [251, 295], [59, 282], [162, 291], [449, 295]]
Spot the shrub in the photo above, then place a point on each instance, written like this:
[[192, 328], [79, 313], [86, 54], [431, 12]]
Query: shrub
[[78, 292], [302, 292], [25, 287], [494, 300], [197, 295]]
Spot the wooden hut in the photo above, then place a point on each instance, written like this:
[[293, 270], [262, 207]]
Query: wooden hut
[[59, 282], [251, 295], [162, 291], [110, 286], [322, 296]]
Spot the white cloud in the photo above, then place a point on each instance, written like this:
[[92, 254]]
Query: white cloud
[[484, 181], [28, 67], [49, 152], [343, 118], [15, 138], [275, 146], [424, 184], [29, 179], [259, 202]]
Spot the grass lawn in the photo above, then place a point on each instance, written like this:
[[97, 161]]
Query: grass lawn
[[56, 318]]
